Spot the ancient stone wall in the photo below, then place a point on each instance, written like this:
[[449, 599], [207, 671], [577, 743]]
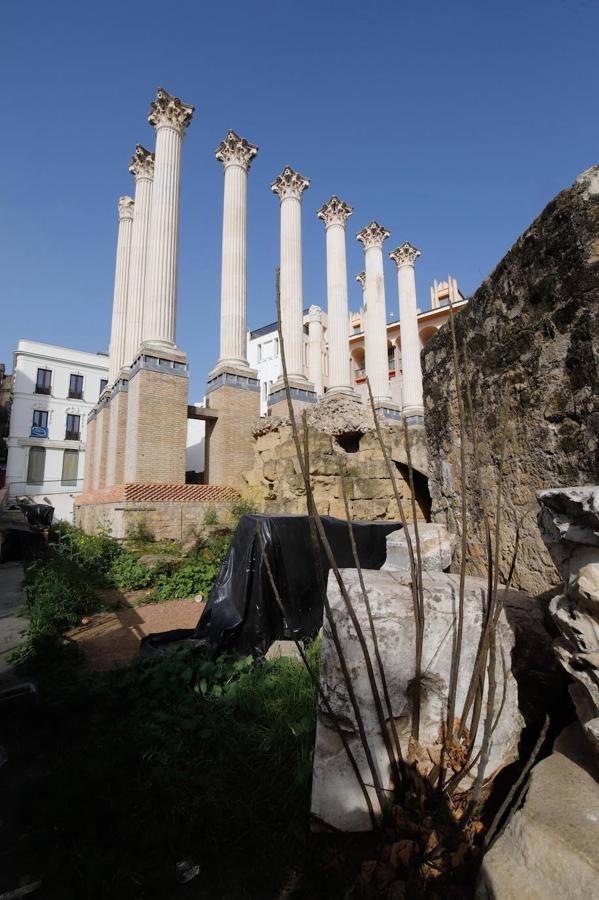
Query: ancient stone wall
[[531, 332], [342, 444]]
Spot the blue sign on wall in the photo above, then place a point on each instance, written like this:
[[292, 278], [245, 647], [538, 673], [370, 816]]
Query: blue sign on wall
[[38, 431]]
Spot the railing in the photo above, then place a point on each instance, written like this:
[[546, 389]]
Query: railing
[[75, 395], [72, 436], [41, 389], [360, 374]]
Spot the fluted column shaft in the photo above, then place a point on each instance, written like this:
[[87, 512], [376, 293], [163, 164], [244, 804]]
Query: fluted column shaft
[[160, 310], [338, 309], [233, 297], [142, 166], [375, 330], [315, 349], [334, 214], [290, 186], [292, 295], [121, 277], [412, 396]]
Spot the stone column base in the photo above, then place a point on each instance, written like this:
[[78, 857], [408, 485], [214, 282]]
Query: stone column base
[[302, 395], [387, 409], [117, 433], [235, 395], [157, 418]]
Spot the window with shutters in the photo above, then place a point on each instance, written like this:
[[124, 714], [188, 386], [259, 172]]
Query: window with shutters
[[73, 432], [36, 465], [76, 387], [70, 467], [43, 383]]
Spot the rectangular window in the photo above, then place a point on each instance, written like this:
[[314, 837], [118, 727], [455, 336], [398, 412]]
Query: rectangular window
[[259, 352], [40, 418], [73, 432], [36, 465], [76, 387], [43, 385], [103, 383], [70, 466]]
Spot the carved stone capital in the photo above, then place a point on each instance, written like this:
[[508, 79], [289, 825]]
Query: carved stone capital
[[235, 150], [290, 184], [373, 235], [142, 163], [126, 206], [406, 255], [335, 212], [361, 277], [170, 112], [315, 314]]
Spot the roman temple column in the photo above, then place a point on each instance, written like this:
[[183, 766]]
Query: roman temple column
[[121, 278], [236, 155], [170, 117], [315, 348], [233, 389], [335, 214], [375, 325], [411, 389], [142, 169], [289, 187], [97, 469], [158, 378]]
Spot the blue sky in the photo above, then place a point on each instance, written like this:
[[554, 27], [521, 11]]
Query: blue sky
[[451, 123]]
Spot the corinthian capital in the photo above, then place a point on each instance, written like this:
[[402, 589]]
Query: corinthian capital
[[169, 111], [290, 184], [142, 163], [335, 212], [373, 235], [361, 277], [406, 255], [315, 314], [235, 150], [126, 206]]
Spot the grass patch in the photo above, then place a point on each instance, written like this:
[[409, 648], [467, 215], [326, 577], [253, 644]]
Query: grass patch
[[180, 757]]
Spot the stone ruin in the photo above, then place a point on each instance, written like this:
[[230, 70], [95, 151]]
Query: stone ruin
[[343, 444], [531, 332]]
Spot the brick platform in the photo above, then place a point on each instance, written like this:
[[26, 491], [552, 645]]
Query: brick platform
[[169, 511]]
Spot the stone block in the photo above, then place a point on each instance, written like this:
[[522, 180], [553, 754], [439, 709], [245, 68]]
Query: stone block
[[550, 847], [436, 548], [336, 796]]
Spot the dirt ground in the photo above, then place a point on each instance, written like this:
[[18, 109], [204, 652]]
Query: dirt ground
[[113, 638]]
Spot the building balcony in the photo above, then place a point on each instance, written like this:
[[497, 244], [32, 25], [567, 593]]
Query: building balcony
[[75, 395], [72, 436], [360, 374], [40, 389]]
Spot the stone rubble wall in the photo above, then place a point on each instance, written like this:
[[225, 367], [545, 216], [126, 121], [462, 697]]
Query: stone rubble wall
[[532, 337], [276, 483]]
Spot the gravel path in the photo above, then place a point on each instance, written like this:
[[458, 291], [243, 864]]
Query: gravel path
[[113, 638]]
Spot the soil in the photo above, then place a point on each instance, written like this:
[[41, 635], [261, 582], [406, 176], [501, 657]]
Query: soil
[[113, 638]]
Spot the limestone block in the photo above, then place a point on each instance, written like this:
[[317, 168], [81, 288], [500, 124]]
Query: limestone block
[[436, 548], [336, 796], [569, 525], [550, 848]]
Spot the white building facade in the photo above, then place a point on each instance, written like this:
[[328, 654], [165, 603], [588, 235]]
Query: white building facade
[[54, 390], [264, 356]]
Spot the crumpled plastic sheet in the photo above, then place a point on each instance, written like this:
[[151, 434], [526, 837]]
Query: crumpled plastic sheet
[[242, 615]]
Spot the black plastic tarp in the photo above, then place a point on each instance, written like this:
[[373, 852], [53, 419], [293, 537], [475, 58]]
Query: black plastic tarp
[[242, 614]]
